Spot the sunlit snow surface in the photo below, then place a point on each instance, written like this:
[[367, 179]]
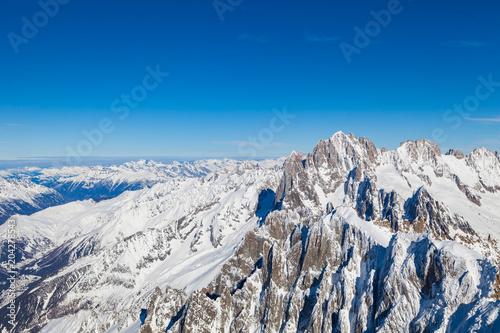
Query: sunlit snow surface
[[195, 215], [218, 210]]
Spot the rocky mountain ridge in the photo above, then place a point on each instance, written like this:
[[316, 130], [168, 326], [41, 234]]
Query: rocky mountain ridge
[[348, 238]]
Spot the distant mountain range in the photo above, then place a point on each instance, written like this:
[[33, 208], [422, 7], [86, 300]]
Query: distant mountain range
[[27, 190], [348, 238]]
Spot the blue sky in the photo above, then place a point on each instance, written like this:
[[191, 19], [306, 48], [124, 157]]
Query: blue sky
[[408, 79]]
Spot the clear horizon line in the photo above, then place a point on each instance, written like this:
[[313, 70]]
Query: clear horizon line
[[111, 157]]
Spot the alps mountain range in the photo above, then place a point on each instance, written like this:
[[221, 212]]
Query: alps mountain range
[[348, 238]]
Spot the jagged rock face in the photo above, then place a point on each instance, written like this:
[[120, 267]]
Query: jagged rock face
[[169, 304], [354, 165], [293, 177], [122, 249], [487, 165], [42, 302], [302, 273], [469, 193], [413, 154], [457, 153], [341, 153], [424, 213], [326, 168], [331, 277], [348, 238], [390, 208]]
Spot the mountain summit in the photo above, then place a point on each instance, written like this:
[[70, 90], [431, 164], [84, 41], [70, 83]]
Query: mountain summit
[[347, 238]]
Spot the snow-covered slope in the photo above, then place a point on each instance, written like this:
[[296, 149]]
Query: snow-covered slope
[[39, 188], [116, 252], [366, 240], [413, 188], [336, 276], [22, 195], [347, 238]]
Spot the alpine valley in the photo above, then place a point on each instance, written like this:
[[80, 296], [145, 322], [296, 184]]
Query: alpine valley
[[348, 238]]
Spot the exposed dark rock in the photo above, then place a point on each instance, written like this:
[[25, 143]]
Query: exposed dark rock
[[457, 153]]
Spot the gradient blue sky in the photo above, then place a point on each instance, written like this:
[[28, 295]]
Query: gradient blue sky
[[226, 77]]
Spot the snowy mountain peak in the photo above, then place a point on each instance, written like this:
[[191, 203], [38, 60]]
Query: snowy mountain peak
[[346, 238], [296, 155], [339, 134], [428, 150], [484, 157], [457, 153]]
